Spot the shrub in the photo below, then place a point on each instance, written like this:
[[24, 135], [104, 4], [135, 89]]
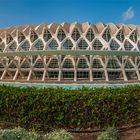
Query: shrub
[[60, 135], [48, 109], [19, 134], [33, 136], [12, 134], [109, 134]]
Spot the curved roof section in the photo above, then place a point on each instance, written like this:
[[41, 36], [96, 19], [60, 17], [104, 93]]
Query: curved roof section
[[68, 27]]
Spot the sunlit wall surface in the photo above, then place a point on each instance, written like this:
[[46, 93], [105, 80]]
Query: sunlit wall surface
[[70, 53]]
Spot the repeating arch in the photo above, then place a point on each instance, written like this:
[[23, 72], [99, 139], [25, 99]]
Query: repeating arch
[[90, 34], [96, 64], [12, 47], [53, 63], [75, 34], [97, 45], [47, 35], [39, 45], [39, 64], [68, 44], [33, 36], [128, 46], [133, 36], [72, 52], [53, 45], [2, 47], [107, 35], [25, 46], [82, 63], [114, 45], [9, 38], [61, 34], [68, 63], [113, 64], [82, 44], [21, 37], [120, 36]]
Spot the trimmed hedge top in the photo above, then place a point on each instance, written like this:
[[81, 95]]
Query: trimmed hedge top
[[48, 108]]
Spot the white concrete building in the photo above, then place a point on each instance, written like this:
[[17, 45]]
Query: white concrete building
[[69, 53]]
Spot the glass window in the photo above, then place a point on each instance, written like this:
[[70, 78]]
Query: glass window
[[82, 63], [2, 47], [114, 45], [13, 47], [47, 35], [61, 35], [133, 36], [21, 37], [9, 38], [114, 75], [33, 36], [53, 74], [113, 64], [97, 64], [120, 36], [39, 64], [90, 35], [68, 44], [25, 46], [82, 74], [25, 64], [39, 45], [128, 46], [67, 63], [53, 45], [68, 74], [53, 63], [106, 35], [98, 75], [82, 44], [75, 35], [97, 45], [128, 65]]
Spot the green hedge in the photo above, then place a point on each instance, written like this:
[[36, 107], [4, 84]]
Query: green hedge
[[71, 109]]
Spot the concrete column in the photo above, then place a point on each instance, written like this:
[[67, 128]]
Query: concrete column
[[16, 74], [90, 69], [44, 74]]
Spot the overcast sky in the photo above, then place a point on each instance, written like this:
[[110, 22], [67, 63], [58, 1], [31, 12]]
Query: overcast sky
[[23, 12]]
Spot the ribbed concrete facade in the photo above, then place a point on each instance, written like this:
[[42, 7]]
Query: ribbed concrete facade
[[70, 53]]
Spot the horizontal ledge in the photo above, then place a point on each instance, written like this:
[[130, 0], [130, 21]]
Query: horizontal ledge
[[71, 52]]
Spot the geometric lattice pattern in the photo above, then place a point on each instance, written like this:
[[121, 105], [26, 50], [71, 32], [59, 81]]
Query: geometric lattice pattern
[[22, 58]]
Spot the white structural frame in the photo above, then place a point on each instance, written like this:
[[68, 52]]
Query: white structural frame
[[70, 53]]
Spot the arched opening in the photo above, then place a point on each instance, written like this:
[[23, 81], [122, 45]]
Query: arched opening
[[90, 35], [97, 45], [114, 45], [21, 37], [96, 64], [68, 44], [120, 36], [53, 45], [47, 35], [33, 36], [53, 63], [134, 36], [82, 45], [39, 45], [75, 34], [25, 46], [128, 46], [61, 35], [39, 64], [106, 35], [68, 63]]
